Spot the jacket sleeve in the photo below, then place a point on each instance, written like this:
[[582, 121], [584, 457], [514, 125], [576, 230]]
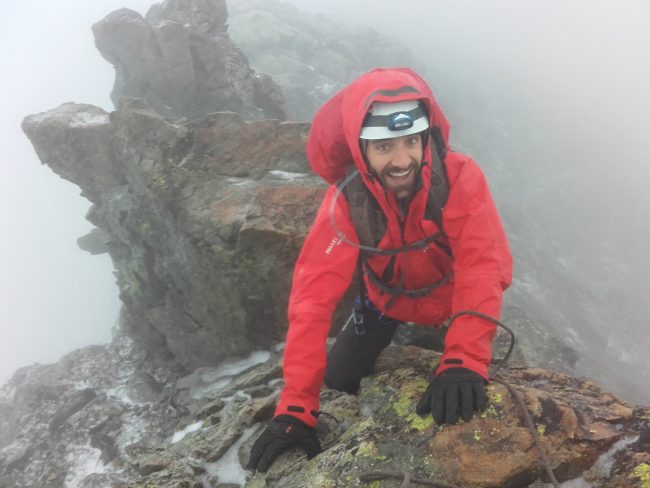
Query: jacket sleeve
[[322, 274], [482, 269]]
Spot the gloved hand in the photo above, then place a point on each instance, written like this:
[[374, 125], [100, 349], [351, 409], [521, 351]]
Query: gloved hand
[[455, 391], [282, 433]]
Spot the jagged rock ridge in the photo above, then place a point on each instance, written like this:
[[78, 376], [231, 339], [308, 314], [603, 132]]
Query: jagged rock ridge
[[203, 219], [180, 59], [104, 417]]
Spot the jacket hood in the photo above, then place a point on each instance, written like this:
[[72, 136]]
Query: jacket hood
[[386, 85], [333, 142]]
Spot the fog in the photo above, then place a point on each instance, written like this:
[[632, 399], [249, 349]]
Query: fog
[[53, 296], [566, 82]]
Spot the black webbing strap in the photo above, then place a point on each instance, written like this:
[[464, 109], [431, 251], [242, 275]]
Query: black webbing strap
[[395, 290]]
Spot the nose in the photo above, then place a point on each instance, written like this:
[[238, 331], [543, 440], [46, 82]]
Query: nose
[[401, 156]]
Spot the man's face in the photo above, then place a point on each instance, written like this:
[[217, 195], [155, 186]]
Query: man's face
[[395, 162]]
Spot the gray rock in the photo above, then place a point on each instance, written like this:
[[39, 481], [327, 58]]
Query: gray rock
[[57, 137], [137, 444], [95, 242], [180, 59], [72, 405], [200, 221]]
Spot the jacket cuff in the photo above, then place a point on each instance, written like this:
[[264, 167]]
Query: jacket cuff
[[456, 360], [308, 414]]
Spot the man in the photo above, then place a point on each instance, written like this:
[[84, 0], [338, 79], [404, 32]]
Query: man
[[419, 263]]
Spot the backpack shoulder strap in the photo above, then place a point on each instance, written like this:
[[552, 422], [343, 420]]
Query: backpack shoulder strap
[[369, 220]]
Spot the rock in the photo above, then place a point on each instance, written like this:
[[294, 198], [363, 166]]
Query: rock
[[59, 134], [203, 218], [95, 242], [72, 405], [130, 442], [180, 59], [577, 421]]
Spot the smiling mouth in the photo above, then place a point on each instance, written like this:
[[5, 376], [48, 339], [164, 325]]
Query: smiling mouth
[[401, 174]]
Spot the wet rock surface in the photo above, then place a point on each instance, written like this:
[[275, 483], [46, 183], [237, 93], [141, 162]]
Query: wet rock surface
[[197, 430]]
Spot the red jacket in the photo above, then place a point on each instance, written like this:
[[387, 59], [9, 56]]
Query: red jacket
[[481, 263]]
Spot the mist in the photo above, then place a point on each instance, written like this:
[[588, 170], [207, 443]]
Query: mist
[[54, 297], [562, 86]]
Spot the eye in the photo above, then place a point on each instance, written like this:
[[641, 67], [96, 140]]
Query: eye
[[382, 146], [413, 141]]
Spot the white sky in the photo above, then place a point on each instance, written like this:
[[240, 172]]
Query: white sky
[[586, 59], [53, 296]]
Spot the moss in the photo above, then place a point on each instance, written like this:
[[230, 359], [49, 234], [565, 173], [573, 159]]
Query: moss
[[496, 397], [372, 389], [407, 396], [358, 428], [369, 449], [322, 480], [642, 471], [490, 411]]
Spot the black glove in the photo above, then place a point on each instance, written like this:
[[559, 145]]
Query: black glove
[[455, 391], [282, 433]]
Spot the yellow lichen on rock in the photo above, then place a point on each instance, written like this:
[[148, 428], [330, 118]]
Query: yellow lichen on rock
[[407, 397], [369, 449], [642, 471]]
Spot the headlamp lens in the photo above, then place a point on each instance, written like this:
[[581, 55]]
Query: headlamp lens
[[400, 121]]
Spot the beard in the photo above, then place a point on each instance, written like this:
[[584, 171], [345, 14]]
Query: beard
[[401, 181]]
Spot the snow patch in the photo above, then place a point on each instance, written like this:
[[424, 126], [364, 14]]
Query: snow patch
[[603, 465], [165, 23], [81, 119], [228, 469], [187, 430], [233, 367], [234, 181], [240, 396], [287, 175], [133, 429], [606, 460], [218, 378], [83, 461]]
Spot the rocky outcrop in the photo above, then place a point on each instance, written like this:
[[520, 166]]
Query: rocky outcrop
[[309, 56], [105, 416], [180, 59], [203, 220]]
